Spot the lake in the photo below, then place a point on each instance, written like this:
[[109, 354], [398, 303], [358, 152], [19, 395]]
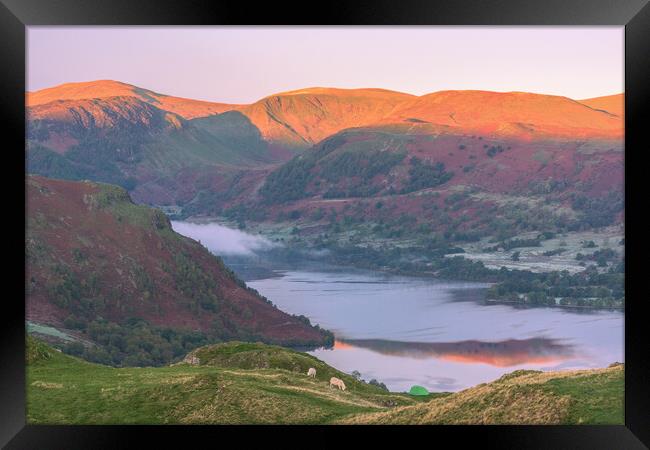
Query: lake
[[439, 334]]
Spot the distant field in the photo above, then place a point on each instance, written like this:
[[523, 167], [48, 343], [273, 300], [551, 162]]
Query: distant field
[[240, 383], [38, 328], [567, 246]]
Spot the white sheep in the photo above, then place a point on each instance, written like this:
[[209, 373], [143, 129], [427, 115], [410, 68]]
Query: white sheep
[[338, 383], [311, 372]]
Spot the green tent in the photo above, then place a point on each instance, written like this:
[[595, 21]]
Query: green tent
[[418, 390]]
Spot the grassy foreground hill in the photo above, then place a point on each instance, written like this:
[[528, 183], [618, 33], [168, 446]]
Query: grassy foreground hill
[[590, 397], [243, 383], [239, 383]]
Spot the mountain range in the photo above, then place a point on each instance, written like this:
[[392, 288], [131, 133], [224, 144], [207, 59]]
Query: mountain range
[[319, 149], [306, 116]]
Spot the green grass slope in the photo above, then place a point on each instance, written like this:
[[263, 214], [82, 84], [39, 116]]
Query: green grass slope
[[67, 390], [249, 383], [592, 397]]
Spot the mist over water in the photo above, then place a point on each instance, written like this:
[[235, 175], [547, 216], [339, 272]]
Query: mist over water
[[222, 240], [402, 330]]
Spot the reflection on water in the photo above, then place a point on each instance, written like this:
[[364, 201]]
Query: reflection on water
[[407, 330], [439, 334], [500, 354]]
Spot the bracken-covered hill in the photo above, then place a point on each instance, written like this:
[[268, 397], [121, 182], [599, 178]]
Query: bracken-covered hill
[[94, 258]]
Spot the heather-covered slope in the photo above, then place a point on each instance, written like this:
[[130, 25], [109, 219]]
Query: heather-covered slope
[[446, 182], [380, 159], [95, 259]]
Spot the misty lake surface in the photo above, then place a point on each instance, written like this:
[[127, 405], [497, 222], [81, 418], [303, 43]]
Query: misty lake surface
[[442, 335]]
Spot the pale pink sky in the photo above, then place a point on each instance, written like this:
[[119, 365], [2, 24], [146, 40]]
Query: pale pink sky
[[244, 64]]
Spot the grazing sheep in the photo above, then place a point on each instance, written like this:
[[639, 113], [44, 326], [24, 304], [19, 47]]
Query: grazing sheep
[[311, 372], [338, 383]]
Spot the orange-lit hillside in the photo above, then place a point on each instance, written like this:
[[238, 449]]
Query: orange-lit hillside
[[307, 116], [516, 114], [614, 104], [101, 89]]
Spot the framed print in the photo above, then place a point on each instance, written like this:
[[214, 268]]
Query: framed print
[[382, 218]]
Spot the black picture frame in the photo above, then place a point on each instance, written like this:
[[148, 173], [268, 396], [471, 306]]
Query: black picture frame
[[15, 15]]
